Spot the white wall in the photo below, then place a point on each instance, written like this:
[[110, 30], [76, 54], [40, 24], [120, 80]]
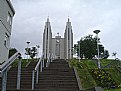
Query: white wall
[[5, 28]]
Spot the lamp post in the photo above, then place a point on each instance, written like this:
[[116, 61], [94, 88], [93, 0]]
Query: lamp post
[[96, 32], [79, 50], [72, 51], [37, 49], [27, 48]]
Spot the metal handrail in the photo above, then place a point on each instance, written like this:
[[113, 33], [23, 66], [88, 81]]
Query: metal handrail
[[40, 64], [4, 68], [36, 69], [48, 60]]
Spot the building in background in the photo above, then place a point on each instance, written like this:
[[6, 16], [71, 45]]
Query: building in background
[[6, 15], [60, 47]]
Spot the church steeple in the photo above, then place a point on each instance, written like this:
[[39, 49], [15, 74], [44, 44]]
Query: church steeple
[[68, 39], [68, 19], [47, 37], [48, 19]]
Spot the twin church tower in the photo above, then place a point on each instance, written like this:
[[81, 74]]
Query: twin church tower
[[61, 48]]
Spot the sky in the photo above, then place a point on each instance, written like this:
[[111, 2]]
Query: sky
[[85, 15]]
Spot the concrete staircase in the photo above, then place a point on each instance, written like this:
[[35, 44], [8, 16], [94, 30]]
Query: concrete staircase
[[57, 77], [26, 78]]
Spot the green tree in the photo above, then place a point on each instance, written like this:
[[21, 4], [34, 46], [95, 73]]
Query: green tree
[[31, 52], [114, 54], [12, 51], [106, 54], [28, 51], [88, 47]]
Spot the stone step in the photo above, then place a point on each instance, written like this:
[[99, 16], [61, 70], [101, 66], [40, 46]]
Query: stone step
[[57, 87], [58, 69], [45, 90], [57, 78]]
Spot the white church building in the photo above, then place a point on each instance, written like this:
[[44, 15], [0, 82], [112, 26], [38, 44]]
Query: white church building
[[60, 47]]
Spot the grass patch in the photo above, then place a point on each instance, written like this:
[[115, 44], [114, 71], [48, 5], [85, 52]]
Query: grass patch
[[119, 89], [105, 62], [90, 63], [24, 62], [104, 79], [86, 79], [116, 75], [110, 62]]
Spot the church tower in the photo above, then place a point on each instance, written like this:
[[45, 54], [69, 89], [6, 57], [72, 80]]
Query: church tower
[[68, 35], [47, 39]]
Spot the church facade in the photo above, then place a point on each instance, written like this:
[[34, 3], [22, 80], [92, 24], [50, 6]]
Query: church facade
[[61, 48]]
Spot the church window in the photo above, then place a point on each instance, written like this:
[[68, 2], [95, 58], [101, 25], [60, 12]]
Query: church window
[[68, 34], [47, 33], [57, 51], [6, 40], [9, 19]]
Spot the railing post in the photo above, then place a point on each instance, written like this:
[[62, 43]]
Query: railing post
[[43, 63], [41, 67], [19, 72], [47, 63], [4, 79], [37, 74], [33, 79], [51, 57], [50, 60]]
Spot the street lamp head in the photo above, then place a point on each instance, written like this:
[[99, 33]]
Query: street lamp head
[[27, 42], [96, 31], [78, 41], [37, 46]]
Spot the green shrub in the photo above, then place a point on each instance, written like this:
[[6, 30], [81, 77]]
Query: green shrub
[[103, 79]]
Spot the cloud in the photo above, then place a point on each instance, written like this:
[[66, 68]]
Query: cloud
[[85, 15]]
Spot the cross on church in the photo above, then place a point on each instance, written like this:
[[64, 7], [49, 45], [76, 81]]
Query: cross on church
[[58, 34]]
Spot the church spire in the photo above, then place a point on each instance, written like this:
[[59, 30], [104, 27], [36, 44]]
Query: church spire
[[48, 19], [68, 18]]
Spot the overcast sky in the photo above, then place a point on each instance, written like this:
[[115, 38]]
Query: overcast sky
[[85, 15]]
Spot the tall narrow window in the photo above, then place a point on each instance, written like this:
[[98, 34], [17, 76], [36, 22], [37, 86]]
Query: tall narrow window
[[9, 19], [68, 34], [6, 40], [47, 33], [57, 51]]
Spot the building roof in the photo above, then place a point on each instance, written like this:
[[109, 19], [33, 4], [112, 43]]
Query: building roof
[[10, 5]]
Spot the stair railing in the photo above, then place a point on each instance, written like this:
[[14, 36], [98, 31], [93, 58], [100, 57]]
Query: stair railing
[[39, 67], [48, 60], [5, 67]]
